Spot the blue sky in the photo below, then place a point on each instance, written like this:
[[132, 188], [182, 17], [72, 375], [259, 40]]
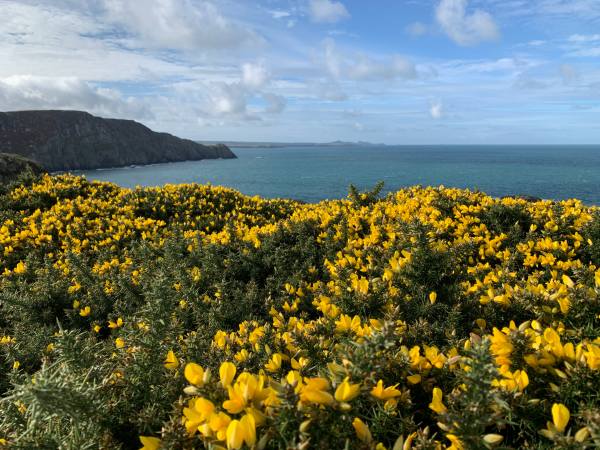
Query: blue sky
[[394, 71]]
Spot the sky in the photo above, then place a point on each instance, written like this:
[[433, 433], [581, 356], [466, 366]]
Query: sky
[[392, 71]]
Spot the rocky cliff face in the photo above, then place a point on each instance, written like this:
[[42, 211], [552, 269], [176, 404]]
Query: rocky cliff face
[[11, 166], [71, 140]]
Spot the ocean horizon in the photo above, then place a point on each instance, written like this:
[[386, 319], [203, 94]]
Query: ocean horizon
[[314, 173]]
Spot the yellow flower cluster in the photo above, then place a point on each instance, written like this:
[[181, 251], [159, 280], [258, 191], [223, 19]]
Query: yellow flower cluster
[[375, 328], [250, 400], [102, 216]]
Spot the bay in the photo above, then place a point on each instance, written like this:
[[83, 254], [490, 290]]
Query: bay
[[315, 173]]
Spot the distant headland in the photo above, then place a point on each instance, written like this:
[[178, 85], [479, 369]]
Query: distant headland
[[77, 140], [247, 144]]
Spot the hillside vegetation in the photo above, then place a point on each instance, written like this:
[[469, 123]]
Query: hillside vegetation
[[195, 317], [13, 166]]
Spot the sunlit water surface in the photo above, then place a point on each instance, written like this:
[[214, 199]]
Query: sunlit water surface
[[316, 173]]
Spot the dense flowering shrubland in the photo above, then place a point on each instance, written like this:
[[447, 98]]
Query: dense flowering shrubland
[[195, 317]]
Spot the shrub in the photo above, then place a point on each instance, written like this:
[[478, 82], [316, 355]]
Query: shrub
[[195, 317]]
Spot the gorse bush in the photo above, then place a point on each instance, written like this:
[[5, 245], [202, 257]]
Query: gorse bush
[[192, 316]]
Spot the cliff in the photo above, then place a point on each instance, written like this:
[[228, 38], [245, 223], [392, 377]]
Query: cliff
[[11, 166], [72, 140]]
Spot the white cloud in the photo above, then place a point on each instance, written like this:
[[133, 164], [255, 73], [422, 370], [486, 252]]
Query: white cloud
[[178, 24], [54, 42], [584, 38], [583, 8], [36, 92], [462, 27], [583, 46], [591, 52], [436, 110], [254, 76], [327, 11], [228, 99], [342, 33], [545, 9], [333, 60], [503, 65], [158, 61], [362, 67], [537, 43], [416, 29], [276, 14], [366, 68], [275, 103]]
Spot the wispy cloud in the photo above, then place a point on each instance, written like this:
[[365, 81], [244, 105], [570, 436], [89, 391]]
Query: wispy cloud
[[225, 69], [328, 11], [464, 27], [277, 14], [178, 25], [436, 110], [578, 38], [255, 76], [583, 45], [360, 66]]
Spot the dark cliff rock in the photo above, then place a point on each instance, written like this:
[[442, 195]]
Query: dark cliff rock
[[11, 166], [71, 140]]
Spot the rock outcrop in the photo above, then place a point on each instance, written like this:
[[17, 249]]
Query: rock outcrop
[[11, 166], [75, 140]]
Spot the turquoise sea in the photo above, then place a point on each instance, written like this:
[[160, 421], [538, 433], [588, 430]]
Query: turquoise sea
[[315, 173]]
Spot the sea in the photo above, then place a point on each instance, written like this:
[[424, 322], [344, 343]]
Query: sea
[[315, 173]]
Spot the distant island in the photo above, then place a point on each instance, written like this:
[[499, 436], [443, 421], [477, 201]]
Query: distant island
[[244, 144], [77, 140]]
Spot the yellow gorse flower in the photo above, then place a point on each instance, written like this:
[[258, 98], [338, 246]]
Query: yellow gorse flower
[[171, 362], [240, 432], [346, 391], [362, 430], [436, 402], [150, 443], [432, 297], [274, 363], [20, 268], [194, 373], [385, 393], [456, 443], [560, 416], [115, 324], [248, 424], [315, 390], [235, 435], [226, 373]]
